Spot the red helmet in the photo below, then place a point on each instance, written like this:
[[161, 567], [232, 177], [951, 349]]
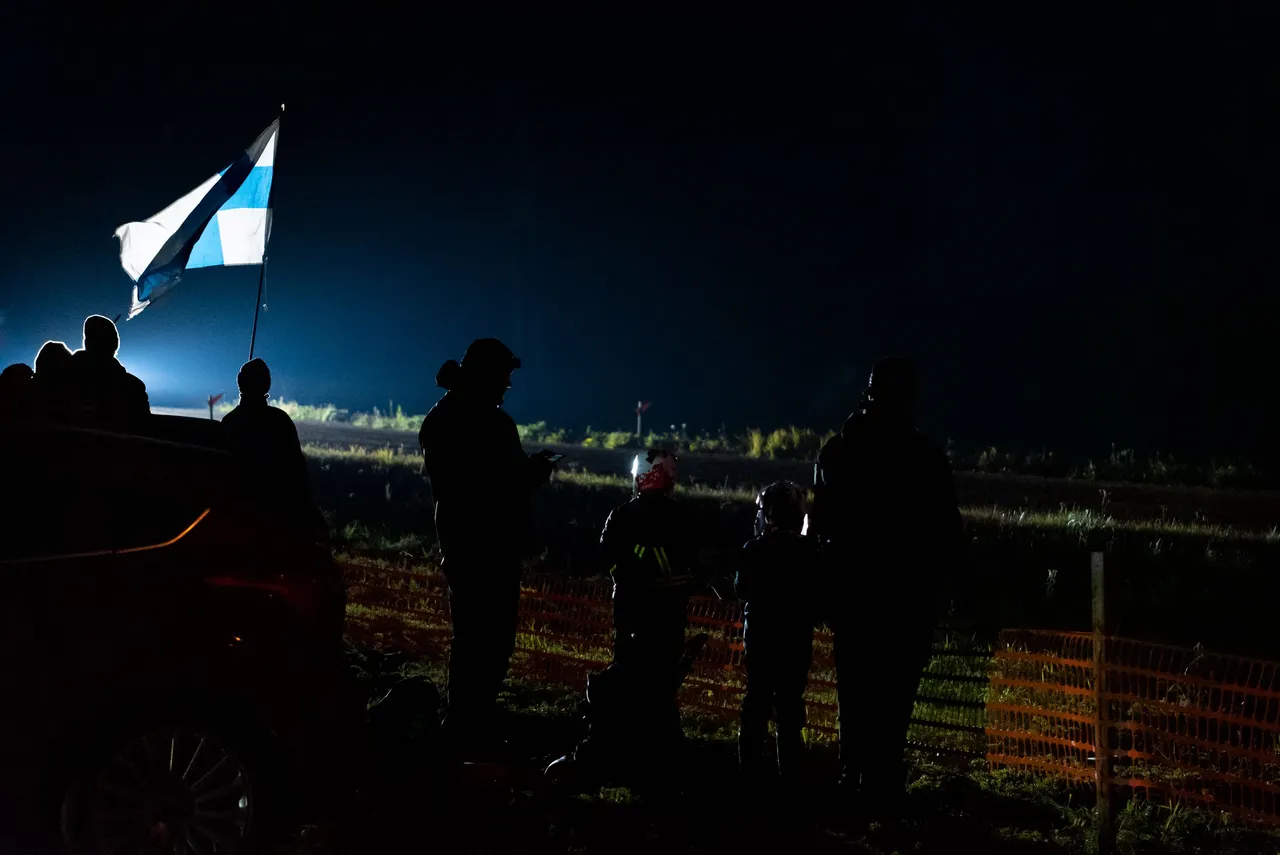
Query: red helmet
[[654, 471]]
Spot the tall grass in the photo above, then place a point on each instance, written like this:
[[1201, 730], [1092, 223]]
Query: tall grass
[[1081, 521], [799, 443]]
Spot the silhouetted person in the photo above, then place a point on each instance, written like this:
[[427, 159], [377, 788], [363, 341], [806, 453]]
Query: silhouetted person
[[649, 546], [15, 391], [51, 391], [482, 483], [885, 510], [103, 392], [780, 582], [265, 441]]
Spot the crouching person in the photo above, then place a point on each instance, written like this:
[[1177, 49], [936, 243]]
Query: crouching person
[[649, 546]]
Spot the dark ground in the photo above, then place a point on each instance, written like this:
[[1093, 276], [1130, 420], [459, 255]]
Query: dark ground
[[404, 800]]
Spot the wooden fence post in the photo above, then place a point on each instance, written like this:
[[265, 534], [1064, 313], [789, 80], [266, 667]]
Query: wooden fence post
[[1106, 832]]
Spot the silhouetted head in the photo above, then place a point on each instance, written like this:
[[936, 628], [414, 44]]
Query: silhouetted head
[[14, 382], [18, 372], [54, 356], [254, 380], [782, 506], [101, 337], [485, 370], [891, 390]]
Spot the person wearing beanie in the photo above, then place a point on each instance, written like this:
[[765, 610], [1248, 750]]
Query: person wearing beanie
[[265, 441], [482, 483]]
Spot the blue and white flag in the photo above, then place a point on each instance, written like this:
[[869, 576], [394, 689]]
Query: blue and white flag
[[224, 222]]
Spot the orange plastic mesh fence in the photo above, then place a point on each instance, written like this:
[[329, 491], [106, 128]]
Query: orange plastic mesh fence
[[1040, 707], [565, 632], [1184, 725], [1197, 726]]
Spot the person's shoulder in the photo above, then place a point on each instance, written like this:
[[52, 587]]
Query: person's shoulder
[[672, 507], [635, 507], [435, 417], [834, 446], [615, 518], [280, 417]]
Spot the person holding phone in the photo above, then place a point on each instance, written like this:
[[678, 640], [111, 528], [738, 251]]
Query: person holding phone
[[482, 483]]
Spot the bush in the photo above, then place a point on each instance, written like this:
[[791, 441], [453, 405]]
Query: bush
[[618, 439]]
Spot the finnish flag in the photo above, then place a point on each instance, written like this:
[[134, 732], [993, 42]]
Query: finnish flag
[[226, 221]]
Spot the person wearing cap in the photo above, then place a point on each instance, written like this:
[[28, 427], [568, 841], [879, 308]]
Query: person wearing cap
[[482, 483], [103, 392], [265, 441], [886, 515]]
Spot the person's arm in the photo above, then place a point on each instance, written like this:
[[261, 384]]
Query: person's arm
[[613, 551], [742, 580], [820, 524], [531, 471], [136, 400]]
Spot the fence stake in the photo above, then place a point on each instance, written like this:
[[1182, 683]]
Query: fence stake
[[1106, 832]]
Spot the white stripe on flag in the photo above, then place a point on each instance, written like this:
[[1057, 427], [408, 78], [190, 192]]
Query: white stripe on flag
[[269, 153], [226, 221], [244, 234], [139, 242]]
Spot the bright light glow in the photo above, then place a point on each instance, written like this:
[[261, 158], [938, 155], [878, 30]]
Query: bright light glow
[[635, 466]]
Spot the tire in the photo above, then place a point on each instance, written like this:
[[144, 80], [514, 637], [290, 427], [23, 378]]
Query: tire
[[174, 789]]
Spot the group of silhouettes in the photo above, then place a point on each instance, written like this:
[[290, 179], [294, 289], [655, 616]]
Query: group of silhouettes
[[875, 557], [90, 388]]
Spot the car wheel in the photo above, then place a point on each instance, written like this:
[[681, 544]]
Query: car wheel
[[179, 790]]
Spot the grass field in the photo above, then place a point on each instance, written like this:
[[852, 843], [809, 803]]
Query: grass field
[[1127, 496], [1116, 465], [1169, 576], [379, 505]]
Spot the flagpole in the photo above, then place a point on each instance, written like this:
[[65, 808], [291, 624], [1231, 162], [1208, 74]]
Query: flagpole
[[262, 274]]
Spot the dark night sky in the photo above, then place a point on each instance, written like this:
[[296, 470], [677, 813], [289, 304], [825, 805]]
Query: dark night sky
[[1068, 221]]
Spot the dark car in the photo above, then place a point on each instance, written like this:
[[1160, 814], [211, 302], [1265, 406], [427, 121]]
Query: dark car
[[170, 647]]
